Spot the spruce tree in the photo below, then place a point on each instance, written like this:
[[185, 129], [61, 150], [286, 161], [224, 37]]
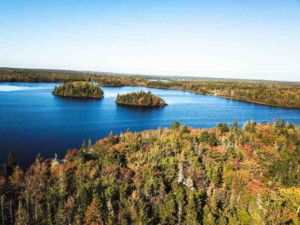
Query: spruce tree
[[11, 163]]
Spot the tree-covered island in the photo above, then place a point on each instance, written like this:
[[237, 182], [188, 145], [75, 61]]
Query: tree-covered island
[[140, 98], [78, 89], [273, 93]]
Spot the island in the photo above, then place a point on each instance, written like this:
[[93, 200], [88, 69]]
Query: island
[[78, 89], [140, 98], [271, 93]]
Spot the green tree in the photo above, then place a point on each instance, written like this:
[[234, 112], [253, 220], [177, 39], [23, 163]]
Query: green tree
[[192, 217], [11, 163], [235, 125], [168, 210], [175, 125], [92, 215]]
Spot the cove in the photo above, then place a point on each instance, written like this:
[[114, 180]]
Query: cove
[[33, 121]]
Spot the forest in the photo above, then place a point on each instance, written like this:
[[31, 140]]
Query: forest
[[140, 98], [273, 93], [283, 94], [78, 89], [177, 175]]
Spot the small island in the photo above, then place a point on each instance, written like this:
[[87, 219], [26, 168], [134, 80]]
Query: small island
[[78, 89], [140, 98]]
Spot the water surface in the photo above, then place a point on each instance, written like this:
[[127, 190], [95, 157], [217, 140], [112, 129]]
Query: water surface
[[33, 121]]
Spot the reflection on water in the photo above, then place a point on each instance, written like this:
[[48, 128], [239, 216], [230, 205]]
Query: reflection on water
[[8, 88]]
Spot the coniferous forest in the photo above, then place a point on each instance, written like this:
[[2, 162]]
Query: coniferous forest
[[78, 89], [181, 175], [83, 147], [274, 93], [140, 98]]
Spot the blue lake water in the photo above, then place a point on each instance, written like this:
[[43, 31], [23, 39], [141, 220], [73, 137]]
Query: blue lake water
[[33, 121]]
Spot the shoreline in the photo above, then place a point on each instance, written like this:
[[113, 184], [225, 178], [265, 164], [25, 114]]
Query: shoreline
[[141, 106], [77, 97], [171, 88], [220, 96]]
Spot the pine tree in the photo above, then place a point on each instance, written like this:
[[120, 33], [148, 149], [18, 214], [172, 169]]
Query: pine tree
[[90, 145], [191, 210], [235, 125], [168, 211], [11, 163], [83, 146], [92, 215], [175, 125], [111, 138]]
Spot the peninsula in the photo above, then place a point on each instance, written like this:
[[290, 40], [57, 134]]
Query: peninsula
[[272, 93]]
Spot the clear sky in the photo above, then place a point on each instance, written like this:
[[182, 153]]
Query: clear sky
[[254, 39]]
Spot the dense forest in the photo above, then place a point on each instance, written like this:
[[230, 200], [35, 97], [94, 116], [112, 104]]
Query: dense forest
[[140, 98], [78, 89], [221, 175], [283, 94]]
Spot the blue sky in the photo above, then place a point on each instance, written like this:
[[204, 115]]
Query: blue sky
[[257, 39]]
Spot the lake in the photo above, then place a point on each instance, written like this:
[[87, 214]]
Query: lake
[[33, 121]]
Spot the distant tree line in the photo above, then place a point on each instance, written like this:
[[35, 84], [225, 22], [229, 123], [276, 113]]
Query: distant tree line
[[283, 94]]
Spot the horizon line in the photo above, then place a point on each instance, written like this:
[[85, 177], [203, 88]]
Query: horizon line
[[168, 76]]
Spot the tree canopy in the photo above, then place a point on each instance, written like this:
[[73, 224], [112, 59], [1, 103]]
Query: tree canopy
[[78, 89], [140, 98], [221, 175], [275, 93]]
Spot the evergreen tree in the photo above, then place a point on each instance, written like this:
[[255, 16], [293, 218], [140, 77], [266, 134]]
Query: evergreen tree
[[92, 215], [175, 125], [83, 147], [168, 212], [11, 163], [90, 145], [235, 125], [192, 210]]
